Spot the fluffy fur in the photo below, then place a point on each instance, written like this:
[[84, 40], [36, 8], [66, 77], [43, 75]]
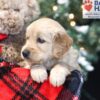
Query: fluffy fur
[[11, 22], [50, 48], [15, 15]]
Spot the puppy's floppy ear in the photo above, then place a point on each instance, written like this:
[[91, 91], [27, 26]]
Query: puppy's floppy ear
[[61, 44]]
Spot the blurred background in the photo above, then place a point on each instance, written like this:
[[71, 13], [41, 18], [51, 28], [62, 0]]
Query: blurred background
[[86, 36]]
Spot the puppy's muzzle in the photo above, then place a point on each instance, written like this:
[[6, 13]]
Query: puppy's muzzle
[[26, 53]]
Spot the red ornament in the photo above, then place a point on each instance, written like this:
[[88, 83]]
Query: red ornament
[[3, 36], [75, 98], [0, 49], [4, 64]]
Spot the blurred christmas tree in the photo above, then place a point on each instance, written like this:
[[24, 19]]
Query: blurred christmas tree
[[85, 32]]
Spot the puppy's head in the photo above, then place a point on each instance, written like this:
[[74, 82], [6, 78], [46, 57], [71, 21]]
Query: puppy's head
[[45, 39]]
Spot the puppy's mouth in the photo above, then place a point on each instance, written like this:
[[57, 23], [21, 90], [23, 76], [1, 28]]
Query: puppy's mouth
[[32, 62], [30, 59]]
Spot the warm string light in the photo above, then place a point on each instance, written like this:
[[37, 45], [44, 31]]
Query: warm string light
[[55, 8], [82, 48], [72, 23], [71, 16]]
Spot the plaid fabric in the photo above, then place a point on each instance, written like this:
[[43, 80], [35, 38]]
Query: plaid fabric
[[16, 84]]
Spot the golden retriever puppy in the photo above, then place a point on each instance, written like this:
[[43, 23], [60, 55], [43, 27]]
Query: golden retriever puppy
[[49, 47]]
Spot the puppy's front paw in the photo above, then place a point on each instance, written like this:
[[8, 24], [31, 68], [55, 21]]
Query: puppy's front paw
[[39, 74], [58, 76]]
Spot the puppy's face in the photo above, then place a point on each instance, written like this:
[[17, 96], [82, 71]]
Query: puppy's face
[[45, 39], [38, 47]]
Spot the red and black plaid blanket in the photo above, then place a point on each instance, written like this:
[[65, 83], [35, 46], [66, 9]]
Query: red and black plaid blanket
[[16, 84]]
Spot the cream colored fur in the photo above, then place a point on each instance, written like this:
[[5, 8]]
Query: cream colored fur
[[15, 14], [55, 54]]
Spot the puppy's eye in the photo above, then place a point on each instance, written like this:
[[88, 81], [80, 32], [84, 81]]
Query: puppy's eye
[[39, 40]]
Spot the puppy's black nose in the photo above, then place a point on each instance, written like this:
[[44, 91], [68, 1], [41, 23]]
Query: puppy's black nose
[[26, 53]]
